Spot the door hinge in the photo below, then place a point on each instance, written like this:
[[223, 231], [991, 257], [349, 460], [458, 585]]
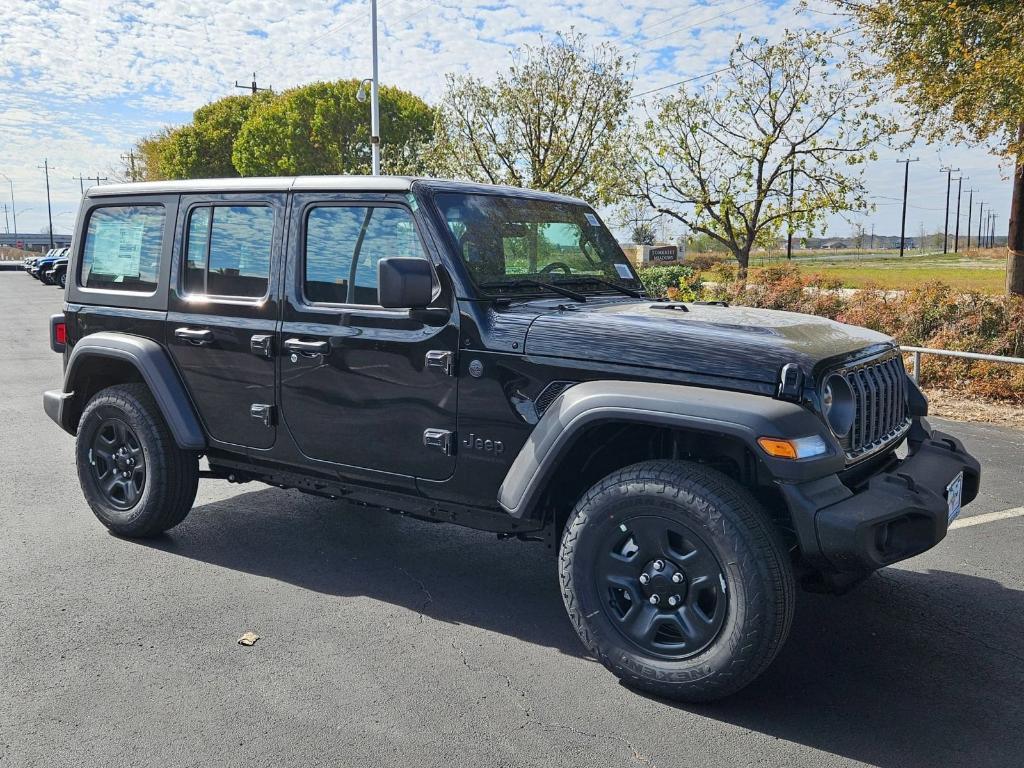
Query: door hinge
[[442, 360], [262, 412], [442, 439]]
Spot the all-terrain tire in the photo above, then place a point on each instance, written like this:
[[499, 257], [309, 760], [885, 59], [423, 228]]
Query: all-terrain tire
[[168, 487], [712, 509]]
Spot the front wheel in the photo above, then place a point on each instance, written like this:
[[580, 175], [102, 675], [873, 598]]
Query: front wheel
[[136, 479], [676, 581]]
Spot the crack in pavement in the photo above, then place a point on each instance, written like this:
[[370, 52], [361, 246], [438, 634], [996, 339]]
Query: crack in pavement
[[428, 599]]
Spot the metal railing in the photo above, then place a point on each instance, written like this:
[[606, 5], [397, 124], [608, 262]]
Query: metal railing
[[918, 351]]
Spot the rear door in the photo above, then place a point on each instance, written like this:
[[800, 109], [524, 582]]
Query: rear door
[[223, 311], [363, 386]]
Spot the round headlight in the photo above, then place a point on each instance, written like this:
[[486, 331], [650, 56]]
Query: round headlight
[[837, 405]]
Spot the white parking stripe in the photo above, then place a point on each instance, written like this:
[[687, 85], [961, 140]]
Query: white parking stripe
[[988, 517]]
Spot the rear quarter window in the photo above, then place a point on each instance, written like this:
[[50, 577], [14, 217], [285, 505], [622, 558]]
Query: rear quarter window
[[122, 250]]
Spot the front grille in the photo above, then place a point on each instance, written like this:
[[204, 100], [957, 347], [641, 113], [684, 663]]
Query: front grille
[[880, 395]]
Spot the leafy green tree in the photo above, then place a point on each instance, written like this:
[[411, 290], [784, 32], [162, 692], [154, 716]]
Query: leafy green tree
[[958, 69], [554, 121], [322, 128], [719, 160]]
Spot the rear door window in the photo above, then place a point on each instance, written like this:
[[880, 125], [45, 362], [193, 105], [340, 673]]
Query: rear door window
[[122, 248], [228, 250]]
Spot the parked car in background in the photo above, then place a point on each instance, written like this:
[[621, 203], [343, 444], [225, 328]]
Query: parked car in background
[[43, 265], [30, 262], [57, 274]]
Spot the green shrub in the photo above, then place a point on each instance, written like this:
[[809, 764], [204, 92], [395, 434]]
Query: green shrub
[[673, 281]]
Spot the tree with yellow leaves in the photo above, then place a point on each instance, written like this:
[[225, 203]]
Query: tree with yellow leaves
[[957, 66]]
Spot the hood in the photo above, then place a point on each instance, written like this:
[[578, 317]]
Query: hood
[[707, 340]]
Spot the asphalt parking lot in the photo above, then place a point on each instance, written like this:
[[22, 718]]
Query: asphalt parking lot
[[386, 641]]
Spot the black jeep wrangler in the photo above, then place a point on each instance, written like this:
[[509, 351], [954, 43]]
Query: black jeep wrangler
[[487, 356]]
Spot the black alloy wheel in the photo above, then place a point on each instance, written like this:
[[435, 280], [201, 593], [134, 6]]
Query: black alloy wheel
[[676, 579], [666, 590], [118, 463]]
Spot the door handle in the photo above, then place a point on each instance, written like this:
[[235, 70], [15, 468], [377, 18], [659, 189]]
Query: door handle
[[308, 348], [262, 344], [198, 337]]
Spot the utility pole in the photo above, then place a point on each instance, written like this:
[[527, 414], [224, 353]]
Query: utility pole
[[906, 182], [129, 158], [970, 207], [981, 207], [872, 236], [82, 179], [7, 222], [49, 210], [252, 86], [949, 183], [992, 229], [956, 237], [14, 212]]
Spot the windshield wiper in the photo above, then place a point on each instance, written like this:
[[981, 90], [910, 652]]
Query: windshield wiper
[[530, 282], [607, 283]]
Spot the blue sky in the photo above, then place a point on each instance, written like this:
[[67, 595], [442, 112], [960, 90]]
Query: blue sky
[[82, 80]]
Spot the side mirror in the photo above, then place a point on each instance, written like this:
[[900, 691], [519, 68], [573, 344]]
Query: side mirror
[[405, 283]]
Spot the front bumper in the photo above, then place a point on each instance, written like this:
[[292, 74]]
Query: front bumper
[[890, 516]]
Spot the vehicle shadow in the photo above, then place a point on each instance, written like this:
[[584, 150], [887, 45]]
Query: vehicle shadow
[[908, 669]]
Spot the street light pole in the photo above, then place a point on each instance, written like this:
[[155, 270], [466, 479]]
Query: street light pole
[[14, 213], [49, 210], [906, 182], [374, 103]]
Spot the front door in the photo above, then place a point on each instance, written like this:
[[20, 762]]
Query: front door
[[223, 312], [363, 386]]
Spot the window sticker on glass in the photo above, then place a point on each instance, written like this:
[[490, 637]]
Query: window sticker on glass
[[118, 248], [623, 271], [592, 219]]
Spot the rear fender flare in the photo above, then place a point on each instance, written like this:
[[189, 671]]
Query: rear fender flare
[[157, 371]]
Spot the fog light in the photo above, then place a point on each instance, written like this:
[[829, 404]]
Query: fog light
[[800, 448]]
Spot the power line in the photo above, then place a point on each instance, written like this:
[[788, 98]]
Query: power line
[[697, 23], [681, 82]]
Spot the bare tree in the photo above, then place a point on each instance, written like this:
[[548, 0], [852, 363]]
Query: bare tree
[[554, 121], [720, 160]]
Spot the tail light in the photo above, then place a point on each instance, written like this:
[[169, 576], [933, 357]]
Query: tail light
[[58, 333]]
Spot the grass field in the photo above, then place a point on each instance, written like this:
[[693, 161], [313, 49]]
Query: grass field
[[983, 271]]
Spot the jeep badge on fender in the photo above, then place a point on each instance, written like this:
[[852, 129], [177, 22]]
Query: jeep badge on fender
[[691, 460]]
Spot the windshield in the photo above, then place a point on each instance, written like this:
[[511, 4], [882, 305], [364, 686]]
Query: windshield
[[516, 244]]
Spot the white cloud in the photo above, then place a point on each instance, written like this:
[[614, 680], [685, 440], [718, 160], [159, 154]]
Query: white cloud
[[81, 80]]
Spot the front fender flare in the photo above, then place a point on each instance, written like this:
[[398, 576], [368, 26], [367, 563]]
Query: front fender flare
[[710, 411], [156, 369]]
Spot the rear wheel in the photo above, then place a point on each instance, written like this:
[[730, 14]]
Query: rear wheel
[[63, 279], [136, 479], [676, 581]]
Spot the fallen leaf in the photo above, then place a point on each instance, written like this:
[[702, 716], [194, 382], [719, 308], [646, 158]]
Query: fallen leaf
[[249, 638]]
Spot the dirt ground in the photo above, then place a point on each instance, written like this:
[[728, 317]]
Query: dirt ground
[[954, 406]]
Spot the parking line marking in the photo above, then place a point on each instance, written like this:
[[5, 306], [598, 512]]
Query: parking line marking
[[988, 517]]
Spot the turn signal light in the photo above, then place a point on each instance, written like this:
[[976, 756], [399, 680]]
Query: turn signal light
[[800, 448]]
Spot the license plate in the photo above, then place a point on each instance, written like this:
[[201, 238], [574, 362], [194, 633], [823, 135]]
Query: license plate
[[953, 493]]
